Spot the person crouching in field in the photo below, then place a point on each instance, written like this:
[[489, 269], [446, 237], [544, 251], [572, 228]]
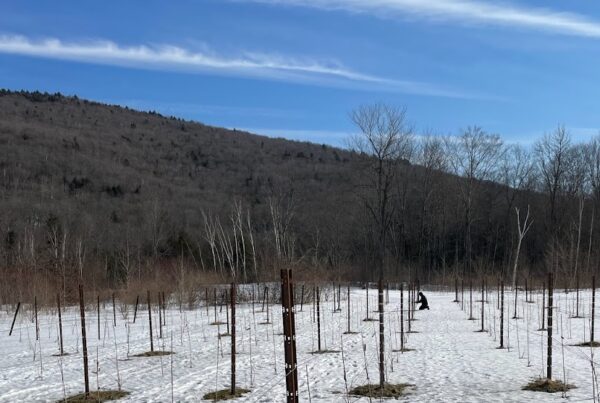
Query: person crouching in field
[[423, 301]]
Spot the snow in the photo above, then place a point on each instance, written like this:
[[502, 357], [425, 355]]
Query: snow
[[451, 362]]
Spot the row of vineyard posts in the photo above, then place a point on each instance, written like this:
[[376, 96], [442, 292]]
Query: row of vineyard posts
[[289, 302]]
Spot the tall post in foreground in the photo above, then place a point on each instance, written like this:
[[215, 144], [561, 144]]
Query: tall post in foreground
[[60, 324], [233, 295], [549, 354], [501, 313], [84, 342], [381, 336], [289, 332]]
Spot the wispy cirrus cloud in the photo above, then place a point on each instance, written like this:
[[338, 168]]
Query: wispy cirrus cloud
[[246, 64], [462, 11]]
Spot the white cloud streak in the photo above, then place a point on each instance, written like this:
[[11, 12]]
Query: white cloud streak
[[174, 58], [463, 11]]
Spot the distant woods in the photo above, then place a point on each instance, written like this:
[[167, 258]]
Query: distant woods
[[123, 199]]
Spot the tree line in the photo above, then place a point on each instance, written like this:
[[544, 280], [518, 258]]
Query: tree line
[[211, 204]]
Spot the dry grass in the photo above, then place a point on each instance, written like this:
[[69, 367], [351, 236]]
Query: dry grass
[[153, 354], [225, 394], [97, 396], [388, 390], [547, 385]]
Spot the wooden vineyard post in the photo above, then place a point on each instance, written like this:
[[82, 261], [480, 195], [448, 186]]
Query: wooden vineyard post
[[207, 304], [60, 332], [462, 294], [84, 342], [318, 319], [339, 308], [550, 302], [593, 310], [114, 311], [233, 296], [543, 306], [367, 287], [516, 292], [137, 301], [227, 300], [409, 305], [482, 305], [348, 309], [98, 312], [381, 334], [267, 301], [160, 335], [387, 293], [164, 306], [150, 321], [302, 298], [402, 316], [215, 302], [498, 294], [37, 326], [577, 298], [501, 314], [471, 300], [14, 318], [289, 332], [455, 289]]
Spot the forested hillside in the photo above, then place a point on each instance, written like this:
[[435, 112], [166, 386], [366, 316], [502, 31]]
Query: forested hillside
[[116, 195]]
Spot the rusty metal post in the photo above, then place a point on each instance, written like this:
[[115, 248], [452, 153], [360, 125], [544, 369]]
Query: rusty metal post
[[84, 342], [289, 331]]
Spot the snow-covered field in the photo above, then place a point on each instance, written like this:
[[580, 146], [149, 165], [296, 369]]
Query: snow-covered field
[[450, 362]]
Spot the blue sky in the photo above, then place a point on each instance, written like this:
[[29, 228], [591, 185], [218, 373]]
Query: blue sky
[[296, 68]]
